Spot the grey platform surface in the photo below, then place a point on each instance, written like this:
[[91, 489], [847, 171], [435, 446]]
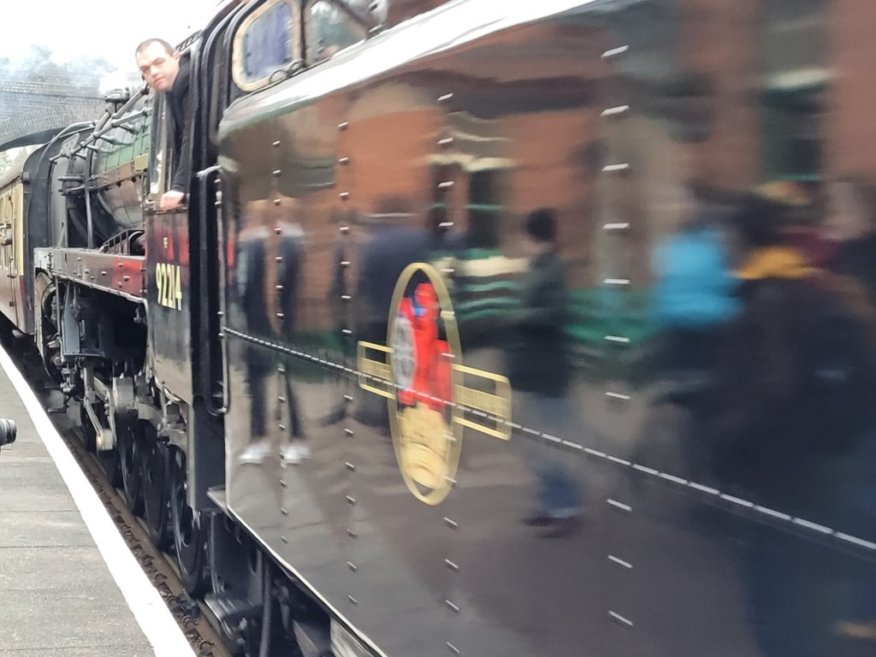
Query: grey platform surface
[[56, 594]]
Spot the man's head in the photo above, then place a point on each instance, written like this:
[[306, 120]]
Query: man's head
[[159, 63], [541, 225], [540, 229]]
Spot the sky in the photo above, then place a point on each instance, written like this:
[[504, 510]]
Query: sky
[[110, 29]]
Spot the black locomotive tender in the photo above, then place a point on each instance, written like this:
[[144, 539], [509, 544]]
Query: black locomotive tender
[[300, 379]]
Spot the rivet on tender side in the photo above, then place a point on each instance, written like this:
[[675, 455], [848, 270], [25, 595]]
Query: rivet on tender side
[[619, 110], [620, 620], [614, 52]]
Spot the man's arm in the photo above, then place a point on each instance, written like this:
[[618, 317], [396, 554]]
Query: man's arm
[[182, 174], [179, 186], [176, 197]]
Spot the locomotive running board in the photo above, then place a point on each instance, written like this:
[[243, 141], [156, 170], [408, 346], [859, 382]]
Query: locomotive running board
[[120, 275]]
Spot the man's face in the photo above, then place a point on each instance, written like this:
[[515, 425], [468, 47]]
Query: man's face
[[159, 67]]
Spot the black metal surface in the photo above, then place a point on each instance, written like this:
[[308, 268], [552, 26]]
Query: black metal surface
[[120, 275], [435, 149], [456, 432]]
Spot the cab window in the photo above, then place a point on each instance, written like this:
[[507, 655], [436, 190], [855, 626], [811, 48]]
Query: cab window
[[330, 29], [266, 42]]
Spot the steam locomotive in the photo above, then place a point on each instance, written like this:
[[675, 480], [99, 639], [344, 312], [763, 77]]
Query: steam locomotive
[[303, 381]]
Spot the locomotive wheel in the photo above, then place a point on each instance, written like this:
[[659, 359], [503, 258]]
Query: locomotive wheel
[[129, 446], [189, 537], [156, 501]]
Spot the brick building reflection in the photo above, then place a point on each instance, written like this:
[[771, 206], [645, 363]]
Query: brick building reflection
[[527, 130]]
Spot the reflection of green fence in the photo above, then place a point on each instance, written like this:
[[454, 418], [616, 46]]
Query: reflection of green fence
[[610, 331], [327, 345], [476, 300]]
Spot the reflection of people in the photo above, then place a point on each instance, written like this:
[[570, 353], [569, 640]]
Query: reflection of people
[[251, 274], [289, 248], [792, 396], [540, 373], [166, 72], [694, 290], [796, 364], [850, 224], [692, 302]]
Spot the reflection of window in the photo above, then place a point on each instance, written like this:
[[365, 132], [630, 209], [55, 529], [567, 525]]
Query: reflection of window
[[330, 29], [792, 124], [795, 43], [796, 76], [483, 209], [264, 44]]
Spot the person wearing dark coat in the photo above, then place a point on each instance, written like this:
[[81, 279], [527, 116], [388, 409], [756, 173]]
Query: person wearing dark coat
[[540, 371], [167, 71], [538, 356], [791, 401], [850, 226]]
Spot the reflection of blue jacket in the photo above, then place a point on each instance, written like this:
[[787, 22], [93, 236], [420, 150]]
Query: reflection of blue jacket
[[694, 286]]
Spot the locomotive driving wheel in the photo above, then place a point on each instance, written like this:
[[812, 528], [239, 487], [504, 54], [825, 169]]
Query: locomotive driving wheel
[[156, 501], [129, 443], [189, 533]]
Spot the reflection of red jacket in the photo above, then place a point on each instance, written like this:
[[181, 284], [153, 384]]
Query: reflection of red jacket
[[432, 379]]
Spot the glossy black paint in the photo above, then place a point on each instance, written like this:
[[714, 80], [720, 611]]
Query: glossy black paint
[[341, 176]]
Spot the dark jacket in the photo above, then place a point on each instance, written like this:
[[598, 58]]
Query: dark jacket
[[178, 105], [538, 350], [793, 385], [857, 259]]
